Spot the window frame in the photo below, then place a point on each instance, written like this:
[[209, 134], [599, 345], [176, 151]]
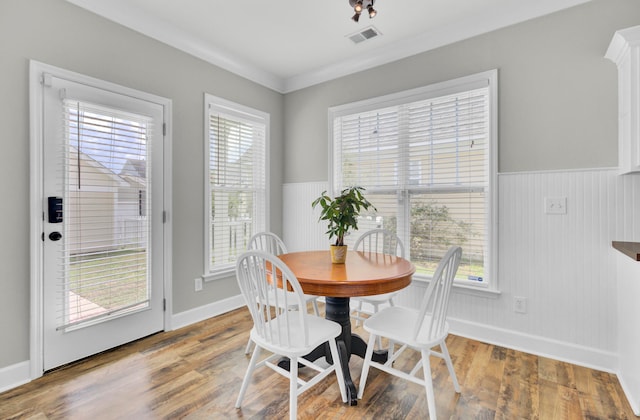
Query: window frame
[[488, 78], [244, 112]]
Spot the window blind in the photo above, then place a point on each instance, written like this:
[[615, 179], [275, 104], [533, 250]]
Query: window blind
[[104, 258], [237, 184], [424, 162]]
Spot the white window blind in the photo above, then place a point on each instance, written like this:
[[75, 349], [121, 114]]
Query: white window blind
[[424, 159], [106, 190], [236, 193]]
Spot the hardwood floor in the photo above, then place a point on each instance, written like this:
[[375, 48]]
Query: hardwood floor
[[196, 372]]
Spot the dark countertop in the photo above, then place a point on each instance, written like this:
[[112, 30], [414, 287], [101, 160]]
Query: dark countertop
[[630, 249]]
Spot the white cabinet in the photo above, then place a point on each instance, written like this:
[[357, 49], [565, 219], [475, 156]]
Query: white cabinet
[[628, 277], [624, 50]]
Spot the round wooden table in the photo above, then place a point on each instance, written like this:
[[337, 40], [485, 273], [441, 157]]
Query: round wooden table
[[363, 274]]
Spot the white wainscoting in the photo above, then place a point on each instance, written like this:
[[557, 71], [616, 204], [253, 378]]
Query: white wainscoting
[[301, 230], [563, 264]]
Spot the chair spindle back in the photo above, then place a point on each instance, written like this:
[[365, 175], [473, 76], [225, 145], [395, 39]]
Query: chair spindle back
[[262, 277], [381, 241], [436, 299], [268, 242]]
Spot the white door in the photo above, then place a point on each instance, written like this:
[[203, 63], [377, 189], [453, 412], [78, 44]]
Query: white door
[[102, 216]]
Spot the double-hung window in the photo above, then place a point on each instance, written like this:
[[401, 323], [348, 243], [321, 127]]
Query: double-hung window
[[426, 159], [236, 181]]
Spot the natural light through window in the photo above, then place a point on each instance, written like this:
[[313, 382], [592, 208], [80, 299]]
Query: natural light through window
[[426, 160], [236, 194]]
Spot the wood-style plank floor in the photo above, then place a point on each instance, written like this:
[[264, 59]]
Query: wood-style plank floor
[[195, 373]]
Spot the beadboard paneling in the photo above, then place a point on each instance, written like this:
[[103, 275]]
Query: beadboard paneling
[[563, 264], [301, 230]]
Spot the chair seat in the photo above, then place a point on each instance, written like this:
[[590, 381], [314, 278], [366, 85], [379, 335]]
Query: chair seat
[[290, 298], [397, 324], [319, 330]]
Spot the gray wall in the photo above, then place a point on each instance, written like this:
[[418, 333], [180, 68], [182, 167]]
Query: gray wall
[[557, 94], [58, 33]]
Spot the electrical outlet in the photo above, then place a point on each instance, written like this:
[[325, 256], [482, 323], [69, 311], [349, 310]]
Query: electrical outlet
[[198, 282], [520, 304], [555, 205]]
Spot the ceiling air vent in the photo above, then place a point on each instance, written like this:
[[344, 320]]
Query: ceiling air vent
[[363, 35]]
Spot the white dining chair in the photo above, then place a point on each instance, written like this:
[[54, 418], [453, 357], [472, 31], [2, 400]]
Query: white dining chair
[[290, 333], [385, 242], [271, 243], [418, 329]]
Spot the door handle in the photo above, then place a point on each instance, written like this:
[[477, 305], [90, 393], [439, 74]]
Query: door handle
[[55, 236]]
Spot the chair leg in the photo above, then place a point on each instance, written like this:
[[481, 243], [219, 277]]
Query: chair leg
[[428, 384], [359, 312], [338, 368], [293, 388], [249, 345], [447, 359], [375, 310], [365, 365], [391, 343], [247, 375]]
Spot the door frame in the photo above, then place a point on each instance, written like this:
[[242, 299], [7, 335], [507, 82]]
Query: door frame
[[36, 128]]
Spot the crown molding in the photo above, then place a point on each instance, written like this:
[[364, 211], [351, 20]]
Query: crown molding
[[164, 32], [622, 41]]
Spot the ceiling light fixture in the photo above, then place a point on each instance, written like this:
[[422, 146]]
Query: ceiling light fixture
[[359, 6], [372, 11]]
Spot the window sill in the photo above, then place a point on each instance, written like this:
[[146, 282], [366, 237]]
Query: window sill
[[219, 275], [465, 289]]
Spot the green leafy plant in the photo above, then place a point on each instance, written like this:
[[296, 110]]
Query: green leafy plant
[[342, 212]]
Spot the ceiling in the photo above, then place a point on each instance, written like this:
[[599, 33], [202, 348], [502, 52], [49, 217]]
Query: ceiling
[[291, 44]]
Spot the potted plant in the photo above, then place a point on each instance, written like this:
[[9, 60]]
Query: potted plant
[[342, 214]]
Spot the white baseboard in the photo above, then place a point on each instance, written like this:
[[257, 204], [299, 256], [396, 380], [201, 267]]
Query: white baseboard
[[633, 400], [14, 375], [201, 313], [540, 346]]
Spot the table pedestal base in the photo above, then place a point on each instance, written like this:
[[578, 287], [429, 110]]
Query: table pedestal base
[[337, 309]]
